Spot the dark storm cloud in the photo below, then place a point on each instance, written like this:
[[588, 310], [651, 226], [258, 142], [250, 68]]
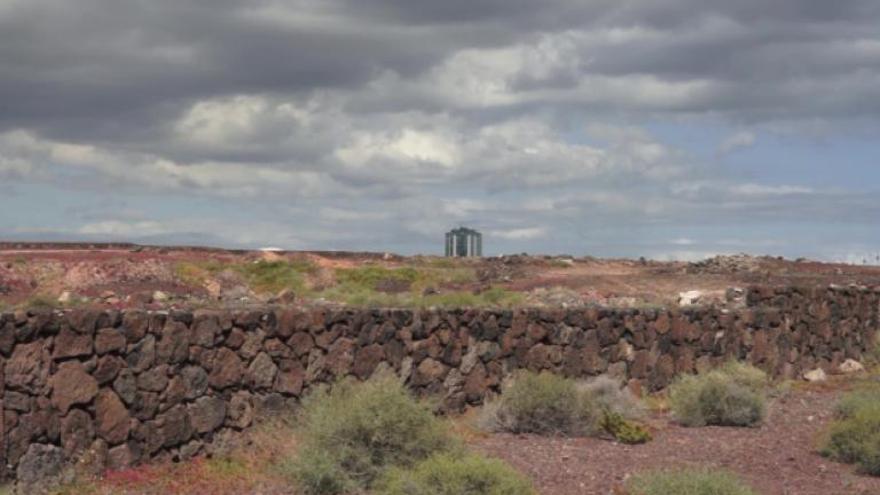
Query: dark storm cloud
[[395, 118], [99, 66]]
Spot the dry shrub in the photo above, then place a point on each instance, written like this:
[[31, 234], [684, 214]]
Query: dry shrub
[[733, 395], [541, 403], [549, 404]]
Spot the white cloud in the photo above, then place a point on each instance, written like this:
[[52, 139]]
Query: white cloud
[[735, 142], [408, 148], [525, 233], [55, 161], [769, 190]]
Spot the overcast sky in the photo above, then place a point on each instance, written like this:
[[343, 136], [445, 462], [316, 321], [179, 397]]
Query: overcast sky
[[663, 128]]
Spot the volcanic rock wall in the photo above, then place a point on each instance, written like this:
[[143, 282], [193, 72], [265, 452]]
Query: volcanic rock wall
[[131, 386]]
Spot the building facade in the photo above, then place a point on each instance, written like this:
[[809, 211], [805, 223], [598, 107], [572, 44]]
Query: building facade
[[464, 242]]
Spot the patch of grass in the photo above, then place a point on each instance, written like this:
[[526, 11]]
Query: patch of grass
[[549, 404], [493, 297], [359, 296], [41, 301], [352, 432], [561, 263], [445, 474], [733, 395], [195, 273], [370, 276], [854, 437], [274, 276], [688, 481]]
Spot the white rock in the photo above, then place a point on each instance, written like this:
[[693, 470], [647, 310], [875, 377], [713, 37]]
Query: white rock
[[689, 298], [816, 375], [851, 366], [65, 297]]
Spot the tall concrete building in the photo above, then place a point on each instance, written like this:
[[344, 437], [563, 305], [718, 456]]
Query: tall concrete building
[[464, 242]]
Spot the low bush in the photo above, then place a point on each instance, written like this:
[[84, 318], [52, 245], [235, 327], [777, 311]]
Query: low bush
[[733, 395], [446, 474], [623, 430], [690, 481], [549, 404], [541, 403], [605, 394], [352, 432], [854, 437], [865, 397]]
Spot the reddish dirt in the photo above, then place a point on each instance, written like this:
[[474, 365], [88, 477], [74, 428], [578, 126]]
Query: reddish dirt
[[779, 458], [47, 270]]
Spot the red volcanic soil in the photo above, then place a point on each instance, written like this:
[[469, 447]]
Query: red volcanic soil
[[778, 458], [125, 273]]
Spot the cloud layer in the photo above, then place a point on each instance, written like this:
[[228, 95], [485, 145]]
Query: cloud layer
[[604, 127]]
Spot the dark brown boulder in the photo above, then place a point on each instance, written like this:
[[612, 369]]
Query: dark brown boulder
[[72, 385], [111, 417], [227, 371]]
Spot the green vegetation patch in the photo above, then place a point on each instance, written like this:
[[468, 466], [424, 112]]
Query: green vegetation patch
[[375, 286], [370, 277], [262, 276], [624, 430], [854, 436], [733, 395], [446, 474], [275, 276], [351, 433], [689, 481]]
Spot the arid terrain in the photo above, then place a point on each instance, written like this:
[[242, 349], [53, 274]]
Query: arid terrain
[[779, 457], [122, 275]]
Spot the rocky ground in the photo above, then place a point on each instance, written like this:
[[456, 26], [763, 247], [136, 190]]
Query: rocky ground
[[778, 458], [113, 275]]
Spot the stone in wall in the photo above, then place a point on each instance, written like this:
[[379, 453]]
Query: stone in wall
[[135, 385]]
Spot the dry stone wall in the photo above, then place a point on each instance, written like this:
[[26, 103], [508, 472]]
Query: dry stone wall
[[127, 387]]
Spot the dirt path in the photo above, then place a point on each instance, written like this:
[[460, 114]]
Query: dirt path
[[778, 458]]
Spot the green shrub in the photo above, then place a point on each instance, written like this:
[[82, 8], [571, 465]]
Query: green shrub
[[549, 404], [691, 481], [352, 432], [732, 395], [541, 403], [745, 374], [446, 474], [865, 397], [623, 430], [854, 437]]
